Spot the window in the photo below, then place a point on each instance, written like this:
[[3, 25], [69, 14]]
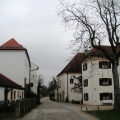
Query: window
[[106, 96], [71, 80], [11, 95], [33, 75], [85, 82], [85, 67], [86, 96], [14, 94], [104, 64], [18, 94], [31, 84], [22, 95], [105, 81]]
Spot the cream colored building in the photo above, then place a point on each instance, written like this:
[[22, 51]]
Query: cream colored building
[[69, 81], [97, 79], [33, 77], [95, 74]]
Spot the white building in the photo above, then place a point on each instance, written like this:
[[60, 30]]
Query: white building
[[69, 81], [15, 62], [95, 72], [33, 77], [9, 90], [97, 78]]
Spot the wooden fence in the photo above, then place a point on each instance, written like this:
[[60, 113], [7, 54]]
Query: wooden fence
[[16, 108]]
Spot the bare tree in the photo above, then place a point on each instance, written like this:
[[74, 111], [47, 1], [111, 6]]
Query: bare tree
[[96, 23]]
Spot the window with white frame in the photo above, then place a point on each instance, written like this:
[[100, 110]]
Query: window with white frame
[[106, 96], [71, 81], [85, 82], [86, 96], [85, 67], [104, 64], [105, 81]]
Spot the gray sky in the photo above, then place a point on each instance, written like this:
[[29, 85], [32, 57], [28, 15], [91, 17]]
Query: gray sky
[[35, 25]]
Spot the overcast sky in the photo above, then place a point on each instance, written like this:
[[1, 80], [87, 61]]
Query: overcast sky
[[35, 25]]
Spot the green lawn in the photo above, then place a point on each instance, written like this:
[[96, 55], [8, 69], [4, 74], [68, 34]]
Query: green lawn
[[106, 114]]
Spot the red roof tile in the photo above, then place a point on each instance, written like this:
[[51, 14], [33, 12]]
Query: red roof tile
[[11, 44], [74, 66]]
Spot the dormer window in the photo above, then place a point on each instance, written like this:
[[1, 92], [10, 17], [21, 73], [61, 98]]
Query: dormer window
[[104, 64], [85, 67]]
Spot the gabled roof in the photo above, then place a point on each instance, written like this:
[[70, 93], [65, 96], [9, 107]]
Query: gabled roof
[[12, 44], [6, 82], [74, 66]]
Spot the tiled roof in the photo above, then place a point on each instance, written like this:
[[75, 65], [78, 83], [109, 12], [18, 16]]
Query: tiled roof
[[96, 52], [12, 44], [74, 66], [6, 82]]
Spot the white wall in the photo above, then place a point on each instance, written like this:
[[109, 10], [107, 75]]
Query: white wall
[[14, 65], [17, 95], [71, 94], [33, 77], [93, 73], [62, 83]]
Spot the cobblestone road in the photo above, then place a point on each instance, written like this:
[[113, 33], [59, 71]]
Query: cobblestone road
[[50, 110]]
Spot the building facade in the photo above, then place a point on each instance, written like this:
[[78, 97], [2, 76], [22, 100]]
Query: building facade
[[33, 77], [69, 81], [97, 78], [15, 62], [9, 90]]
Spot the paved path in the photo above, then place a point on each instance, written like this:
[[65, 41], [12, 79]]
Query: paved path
[[50, 110]]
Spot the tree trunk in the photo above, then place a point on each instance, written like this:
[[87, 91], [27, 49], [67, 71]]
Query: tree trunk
[[116, 86]]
